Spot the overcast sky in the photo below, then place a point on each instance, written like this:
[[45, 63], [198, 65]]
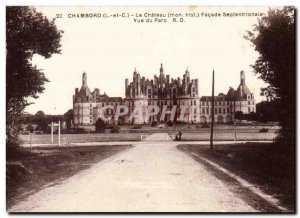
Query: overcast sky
[[108, 50]]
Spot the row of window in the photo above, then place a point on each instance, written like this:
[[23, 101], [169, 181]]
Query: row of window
[[217, 110], [204, 111], [169, 103]]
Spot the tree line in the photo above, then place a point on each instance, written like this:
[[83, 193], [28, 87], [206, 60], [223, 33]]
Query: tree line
[[41, 120]]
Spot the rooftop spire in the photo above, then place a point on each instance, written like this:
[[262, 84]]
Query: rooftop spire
[[161, 70], [242, 77], [84, 79]]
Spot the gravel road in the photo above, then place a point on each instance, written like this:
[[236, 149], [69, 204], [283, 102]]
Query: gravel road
[[153, 176]]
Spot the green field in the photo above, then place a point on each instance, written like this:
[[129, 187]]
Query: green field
[[188, 135], [265, 165], [81, 138], [29, 172], [228, 136]]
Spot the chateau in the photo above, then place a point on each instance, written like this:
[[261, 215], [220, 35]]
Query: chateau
[[178, 95]]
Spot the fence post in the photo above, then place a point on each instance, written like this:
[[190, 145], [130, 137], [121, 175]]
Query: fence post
[[52, 132], [58, 133]]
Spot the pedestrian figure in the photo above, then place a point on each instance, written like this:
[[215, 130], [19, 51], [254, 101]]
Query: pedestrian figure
[[178, 136]]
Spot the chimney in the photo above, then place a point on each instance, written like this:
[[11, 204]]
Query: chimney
[[179, 81], [242, 77], [97, 91], [126, 86], [76, 91], [84, 79], [196, 83]]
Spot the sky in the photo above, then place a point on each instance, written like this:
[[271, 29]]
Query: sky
[[109, 50]]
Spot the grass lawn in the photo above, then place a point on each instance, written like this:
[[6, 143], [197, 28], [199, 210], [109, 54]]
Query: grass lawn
[[29, 172], [227, 136], [261, 164], [80, 138]]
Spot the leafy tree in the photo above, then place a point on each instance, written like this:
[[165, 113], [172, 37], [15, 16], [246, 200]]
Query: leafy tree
[[100, 125], [68, 116], [29, 127], [27, 33], [41, 121], [266, 111], [114, 128], [40, 114], [239, 115], [274, 39]]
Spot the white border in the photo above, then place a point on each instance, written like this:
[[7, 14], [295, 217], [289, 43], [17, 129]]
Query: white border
[[3, 4]]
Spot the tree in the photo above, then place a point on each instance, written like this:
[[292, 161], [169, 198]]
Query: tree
[[274, 39], [27, 33], [266, 111], [100, 125], [68, 118], [239, 115], [41, 121], [29, 128]]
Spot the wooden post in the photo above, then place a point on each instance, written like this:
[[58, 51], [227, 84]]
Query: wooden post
[[234, 131], [212, 112], [52, 132], [30, 142], [58, 133], [234, 124]]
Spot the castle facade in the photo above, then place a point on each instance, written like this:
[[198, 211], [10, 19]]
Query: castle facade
[[177, 98]]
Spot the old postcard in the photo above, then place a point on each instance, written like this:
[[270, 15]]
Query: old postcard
[[150, 109]]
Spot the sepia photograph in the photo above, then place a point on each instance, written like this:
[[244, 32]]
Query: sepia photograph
[[150, 109]]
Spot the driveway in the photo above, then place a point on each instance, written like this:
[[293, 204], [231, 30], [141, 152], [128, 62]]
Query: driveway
[[153, 176]]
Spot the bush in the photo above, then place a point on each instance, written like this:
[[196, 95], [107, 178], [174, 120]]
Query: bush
[[180, 122], [170, 123], [264, 130], [78, 131], [205, 125], [153, 124], [100, 125], [137, 127], [115, 129]]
